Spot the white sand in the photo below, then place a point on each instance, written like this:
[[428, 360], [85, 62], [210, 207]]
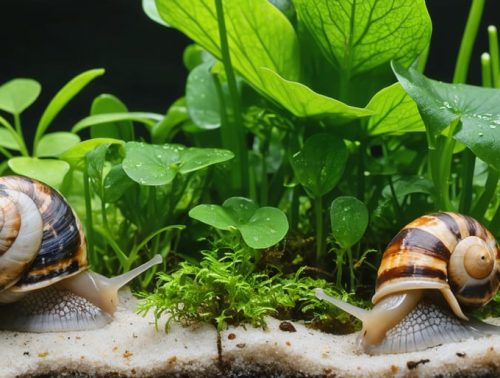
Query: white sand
[[130, 346]]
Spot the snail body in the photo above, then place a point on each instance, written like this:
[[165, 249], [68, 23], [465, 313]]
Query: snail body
[[432, 269], [45, 284]]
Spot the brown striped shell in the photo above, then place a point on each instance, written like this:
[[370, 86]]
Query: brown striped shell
[[449, 252], [41, 238]]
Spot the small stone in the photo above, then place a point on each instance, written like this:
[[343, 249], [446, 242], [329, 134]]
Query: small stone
[[287, 327]]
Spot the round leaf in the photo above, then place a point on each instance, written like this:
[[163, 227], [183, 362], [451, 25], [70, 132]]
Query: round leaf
[[149, 164], [349, 219], [7, 140], [17, 94], [106, 103], [75, 156], [49, 171], [54, 144], [202, 99], [320, 164], [259, 227]]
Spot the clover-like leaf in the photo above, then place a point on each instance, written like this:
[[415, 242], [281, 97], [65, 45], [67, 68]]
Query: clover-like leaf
[[349, 219], [259, 227], [75, 156], [149, 164], [320, 164], [475, 109]]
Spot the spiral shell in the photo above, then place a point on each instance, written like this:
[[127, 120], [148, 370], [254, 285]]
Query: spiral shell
[[447, 251], [41, 238]]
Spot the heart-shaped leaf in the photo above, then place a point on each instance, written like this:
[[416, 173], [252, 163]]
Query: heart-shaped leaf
[[359, 36], [320, 164], [259, 227], [49, 171], [475, 108], [349, 219], [149, 164], [54, 144], [18, 94]]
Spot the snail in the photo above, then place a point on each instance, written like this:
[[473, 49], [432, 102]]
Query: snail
[[434, 268], [45, 284]]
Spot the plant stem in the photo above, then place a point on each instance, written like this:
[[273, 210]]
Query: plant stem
[[236, 128], [486, 70], [320, 243], [422, 59], [339, 262], [488, 193], [351, 269], [495, 58], [468, 162], [20, 139], [5, 153], [468, 38], [88, 217]]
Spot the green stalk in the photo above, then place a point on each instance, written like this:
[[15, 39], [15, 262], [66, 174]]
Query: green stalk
[[351, 269], [339, 261], [468, 162], [88, 217], [486, 70], [19, 131], [236, 128], [422, 59], [487, 195], [468, 39], [5, 153], [495, 59], [320, 242]]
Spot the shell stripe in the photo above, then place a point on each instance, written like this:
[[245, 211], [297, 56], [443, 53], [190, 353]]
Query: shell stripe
[[478, 292], [410, 271], [450, 223], [46, 274], [414, 238]]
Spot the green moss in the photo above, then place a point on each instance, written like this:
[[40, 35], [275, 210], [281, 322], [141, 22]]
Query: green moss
[[225, 288]]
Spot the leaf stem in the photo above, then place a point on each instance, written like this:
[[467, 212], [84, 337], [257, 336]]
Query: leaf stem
[[488, 193], [20, 139], [88, 216], [486, 70], [240, 179], [468, 38], [320, 242]]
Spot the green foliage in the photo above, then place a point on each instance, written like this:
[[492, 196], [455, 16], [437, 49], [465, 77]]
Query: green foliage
[[225, 289], [349, 219], [260, 227]]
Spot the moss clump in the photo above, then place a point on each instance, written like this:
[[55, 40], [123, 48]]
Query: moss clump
[[225, 288]]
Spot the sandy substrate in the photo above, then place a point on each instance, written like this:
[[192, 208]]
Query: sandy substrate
[[130, 346]]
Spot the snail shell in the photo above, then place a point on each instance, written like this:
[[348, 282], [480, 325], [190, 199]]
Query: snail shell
[[446, 253], [43, 264]]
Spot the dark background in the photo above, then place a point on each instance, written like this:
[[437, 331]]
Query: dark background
[[53, 40]]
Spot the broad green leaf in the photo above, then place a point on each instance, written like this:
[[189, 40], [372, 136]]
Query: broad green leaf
[[7, 140], [49, 171], [149, 8], [54, 144], [259, 227], [349, 219], [194, 55], [18, 94], [263, 48], [320, 164], [395, 113], [65, 94], [304, 102], [253, 27], [176, 115], [193, 159], [106, 103], [476, 108], [202, 99], [357, 36], [96, 160], [116, 183], [148, 119], [149, 164], [75, 156]]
